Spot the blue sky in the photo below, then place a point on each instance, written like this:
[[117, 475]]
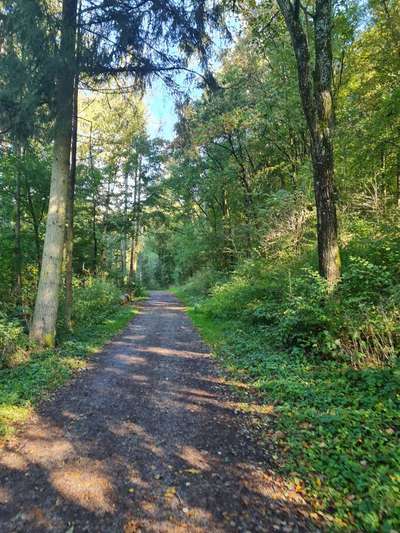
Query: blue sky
[[160, 102], [161, 111]]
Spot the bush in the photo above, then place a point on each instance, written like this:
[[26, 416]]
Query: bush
[[135, 288], [365, 281], [199, 285], [13, 343], [306, 321], [95, 301], [297, 311]]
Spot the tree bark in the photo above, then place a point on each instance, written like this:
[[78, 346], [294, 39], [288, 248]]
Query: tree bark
[[69, 235], [124, 243], [46, 307], [69, 231], [315, 89], [136, 224], [36, 225], [17, 250], [94, 234]]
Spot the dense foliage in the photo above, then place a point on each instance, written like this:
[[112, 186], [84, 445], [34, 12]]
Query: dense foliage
[[336, 427]]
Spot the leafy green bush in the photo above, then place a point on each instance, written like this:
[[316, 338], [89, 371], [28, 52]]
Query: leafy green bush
[[199, 285], [95, 301], [358, 320], [135, 288], [364, 280], [13, 342], [306, 322]]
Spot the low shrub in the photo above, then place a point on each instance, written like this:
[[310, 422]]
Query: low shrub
[[13, 343], [95, 301], [135, 288], [198, 287], [298, 312]]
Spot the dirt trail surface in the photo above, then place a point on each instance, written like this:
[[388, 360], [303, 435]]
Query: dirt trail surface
[[147, 439]]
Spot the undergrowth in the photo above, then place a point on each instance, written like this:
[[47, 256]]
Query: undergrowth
[[339, 425], [327, 360]]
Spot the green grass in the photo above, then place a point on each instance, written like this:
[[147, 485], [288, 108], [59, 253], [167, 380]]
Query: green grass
[[23, 386], [340, 426]]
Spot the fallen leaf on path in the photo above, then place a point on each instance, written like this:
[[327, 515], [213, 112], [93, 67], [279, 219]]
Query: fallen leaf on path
[[192, 471], [170, 492]]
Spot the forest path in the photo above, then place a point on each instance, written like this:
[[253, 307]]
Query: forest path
[[147, 439]]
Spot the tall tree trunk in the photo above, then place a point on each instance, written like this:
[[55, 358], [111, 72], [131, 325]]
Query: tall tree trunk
[[322, 145], [94, 201], [124, 243], [46, 307], [35, 225], [316, 96], [69, 235], [17, 250], [124, 251], [132, 260], [135, 232], [94, 234], [69, 231]]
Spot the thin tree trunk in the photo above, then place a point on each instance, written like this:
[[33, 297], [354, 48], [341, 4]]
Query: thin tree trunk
[[46, 307], [138, 217], [35, 225], [124, 244], [124, 251], [104, 258], [69, 232], [69, 236], [132, 260], [316, 97], [94, 203], [94, 234], [136, 200], [17, 251]]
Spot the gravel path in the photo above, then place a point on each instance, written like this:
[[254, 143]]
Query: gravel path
[[147, 439]]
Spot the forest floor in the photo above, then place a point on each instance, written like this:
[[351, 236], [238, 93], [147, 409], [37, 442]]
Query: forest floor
[[151, 437]]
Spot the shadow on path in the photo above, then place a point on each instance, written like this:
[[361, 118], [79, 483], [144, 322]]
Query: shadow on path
[[148, 439]]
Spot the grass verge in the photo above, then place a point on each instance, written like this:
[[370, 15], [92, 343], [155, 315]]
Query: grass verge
[[338, 426], [23, 386]]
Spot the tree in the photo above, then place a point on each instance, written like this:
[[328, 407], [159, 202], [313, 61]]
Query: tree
[[69, 231], [140, 47], [315, 86], [46, 307], [69, 236]]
